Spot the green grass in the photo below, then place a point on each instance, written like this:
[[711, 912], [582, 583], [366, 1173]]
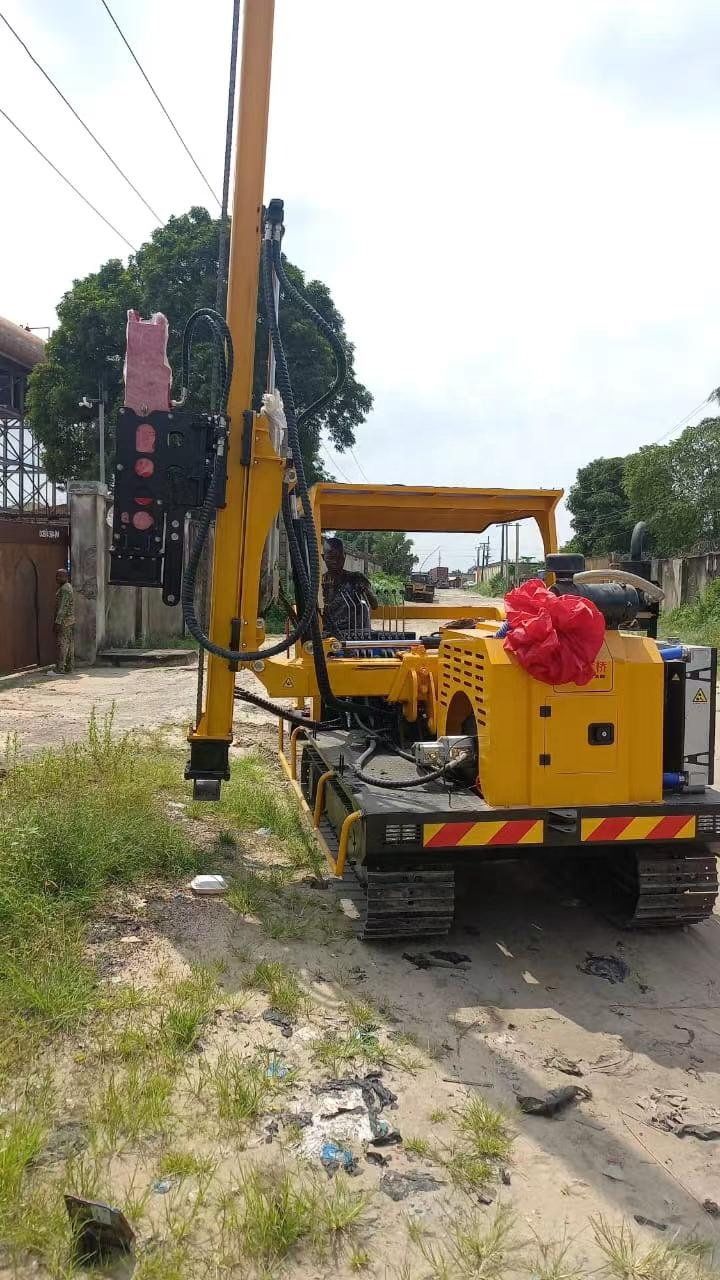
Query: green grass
[[243, 1088], [625, 1257], [20, 1143], [696, 623], [335, 1050], [275, 1211], [72, 822], [132, 1104], [438, 1116], [417, 1147], [551, 1260], [279, 984], [484, 1129], [184, 1164], [254, 797], [191, 1002], [481, 1143]]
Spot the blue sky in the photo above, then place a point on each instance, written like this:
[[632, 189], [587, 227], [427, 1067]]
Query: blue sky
[[514, 205]]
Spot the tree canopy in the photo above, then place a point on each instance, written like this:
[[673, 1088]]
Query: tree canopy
[[392, 551], [674, 488], [175, 272], [600, 508]]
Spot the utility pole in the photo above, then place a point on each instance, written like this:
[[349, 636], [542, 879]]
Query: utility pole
[[101, 426], [517, 552]]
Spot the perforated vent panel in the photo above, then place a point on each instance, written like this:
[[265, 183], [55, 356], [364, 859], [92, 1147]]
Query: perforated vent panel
[[462, 668]]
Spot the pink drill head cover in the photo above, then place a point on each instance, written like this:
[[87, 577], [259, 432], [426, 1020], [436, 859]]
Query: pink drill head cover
[[147, 373]]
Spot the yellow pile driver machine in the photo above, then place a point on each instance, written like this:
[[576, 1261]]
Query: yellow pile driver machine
[[412, 754]]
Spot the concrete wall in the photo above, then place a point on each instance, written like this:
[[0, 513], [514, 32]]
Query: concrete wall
[[684, 578], [108, 616]]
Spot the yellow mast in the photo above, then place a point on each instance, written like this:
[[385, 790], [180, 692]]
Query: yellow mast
[[214, 730]]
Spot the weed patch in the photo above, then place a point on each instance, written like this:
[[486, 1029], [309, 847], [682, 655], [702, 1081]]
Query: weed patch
[[279, 984], [73, 821]]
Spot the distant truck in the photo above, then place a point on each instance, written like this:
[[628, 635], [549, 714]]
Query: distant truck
[[419, 589], [440, 575]]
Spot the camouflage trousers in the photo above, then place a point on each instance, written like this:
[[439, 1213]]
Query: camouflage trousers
[[65, 641]]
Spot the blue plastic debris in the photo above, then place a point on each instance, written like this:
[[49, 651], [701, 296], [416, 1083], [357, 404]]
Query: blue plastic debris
[[277, 1070], [334, 1157], [161, 1186]]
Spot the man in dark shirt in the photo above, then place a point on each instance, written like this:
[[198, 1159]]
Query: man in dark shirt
[[348, 597]]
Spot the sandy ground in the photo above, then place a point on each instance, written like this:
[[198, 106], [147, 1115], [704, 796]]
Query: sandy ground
[[494, 1025]]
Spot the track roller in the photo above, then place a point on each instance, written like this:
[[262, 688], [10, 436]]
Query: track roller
[[663, 886], [402, 903]]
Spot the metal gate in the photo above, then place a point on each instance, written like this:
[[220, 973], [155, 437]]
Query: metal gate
[[31, 552]]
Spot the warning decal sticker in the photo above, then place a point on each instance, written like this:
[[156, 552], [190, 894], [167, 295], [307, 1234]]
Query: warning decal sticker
[[700, 696]]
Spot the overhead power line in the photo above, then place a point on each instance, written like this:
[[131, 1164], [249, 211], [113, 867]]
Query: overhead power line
[[80, 120], [360, 468], [157, 98], [682, 421], [66, 180]]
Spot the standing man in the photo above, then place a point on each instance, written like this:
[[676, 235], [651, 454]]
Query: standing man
[[348, 597], [64, 623]]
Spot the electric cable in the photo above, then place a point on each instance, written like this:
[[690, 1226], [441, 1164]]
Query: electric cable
[[157, 97], [66, 180], [80, 120]]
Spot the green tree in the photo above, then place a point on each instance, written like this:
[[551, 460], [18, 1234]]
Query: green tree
[[675, 488], [392, 551], [175, 272], [600, 508]]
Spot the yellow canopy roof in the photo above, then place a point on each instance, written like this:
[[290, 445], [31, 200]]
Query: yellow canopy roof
[[429, 509]]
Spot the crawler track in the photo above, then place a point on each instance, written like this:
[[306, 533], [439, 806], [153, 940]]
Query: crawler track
[[411, 903], [663, 887]]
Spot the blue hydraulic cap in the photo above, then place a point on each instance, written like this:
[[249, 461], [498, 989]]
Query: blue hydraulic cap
[[673, 781], [673, 653]]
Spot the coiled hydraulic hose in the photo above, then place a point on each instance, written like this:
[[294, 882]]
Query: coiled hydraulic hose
[[305, 559], [300, 630], [411, 782]]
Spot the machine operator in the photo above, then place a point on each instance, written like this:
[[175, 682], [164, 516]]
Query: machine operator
[[348, 597]]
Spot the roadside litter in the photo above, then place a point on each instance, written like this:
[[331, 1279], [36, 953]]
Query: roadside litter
[[398, 1186], [554, 1101], [566, 1065], [611, 968], [208, 886], [334, 1157], [346, 1114], [437, 959], [98, 1229], [278, 1019], [674, 1113]]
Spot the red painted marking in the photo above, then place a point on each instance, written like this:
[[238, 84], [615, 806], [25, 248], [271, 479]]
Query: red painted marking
[[449, 834], [511, 832], [610, 829], [668, 827]]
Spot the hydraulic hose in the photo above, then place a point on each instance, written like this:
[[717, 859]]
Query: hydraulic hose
[[412, 782], [300, 630], [649, 589], [304, 558], [327, 331], [283, 713]]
